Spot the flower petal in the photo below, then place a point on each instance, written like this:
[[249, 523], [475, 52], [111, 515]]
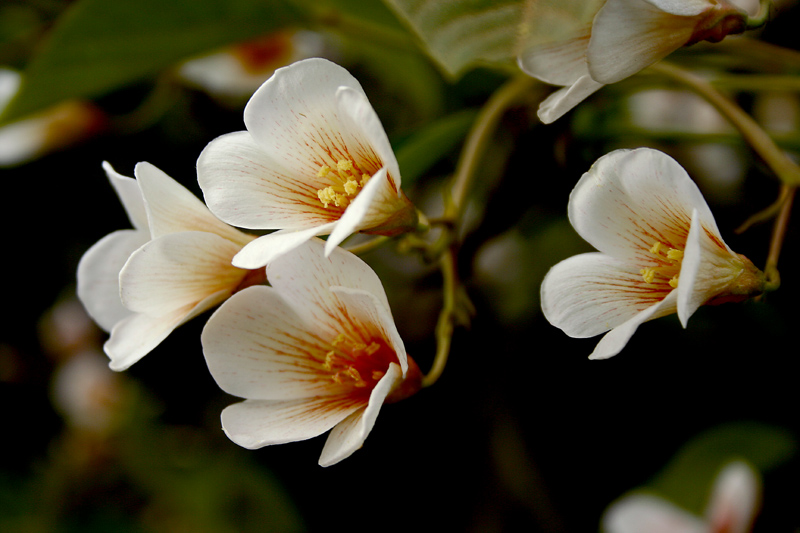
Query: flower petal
[[734, 500], [304, 278], [683, 8], [98, 274], [560, 63], [171, 208], [256, 423], [295, 117], [629, 35], [375, 204], [708, 266], [615, 340], [130, 195], [630, 199], [245, 187], [358, 115], [257, 347], [267, 248], [642, 513], [178, 270], [588, 294], [349, 435], [134, 337], [557, 104]]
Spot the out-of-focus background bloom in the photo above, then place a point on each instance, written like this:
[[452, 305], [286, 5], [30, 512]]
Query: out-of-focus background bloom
[[520, 433]]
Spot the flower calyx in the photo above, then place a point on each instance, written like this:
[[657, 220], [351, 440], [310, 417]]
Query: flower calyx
[[720, 22], [751, 282]]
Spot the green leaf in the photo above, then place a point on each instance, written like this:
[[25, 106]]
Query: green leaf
[[688, 478], [426, 147], [459, 34], [101, 45], [464, 33]]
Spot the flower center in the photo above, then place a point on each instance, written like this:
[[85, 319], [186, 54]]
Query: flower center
[[669, 265], [356, 364], [347, 181]]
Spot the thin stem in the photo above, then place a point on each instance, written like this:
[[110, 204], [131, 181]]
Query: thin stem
[[444, 326], [760, 55], [756, 82], [160, 99], [478, 137], [624, 132], [767, 213], [759, 141], [776, 242], [455, 199]]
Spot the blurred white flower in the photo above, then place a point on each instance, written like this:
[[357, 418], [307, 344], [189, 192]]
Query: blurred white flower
[[141, 284], [731, 509], [607, 41], [49, 130], [86, 392], [314, 160], [237, 71], [316, 350], [660, 252]]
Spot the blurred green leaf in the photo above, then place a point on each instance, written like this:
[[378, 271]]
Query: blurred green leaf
[[689, 476], [98, 46], [407, 90], [374, 12], [189, 481], [19, 26], [459, 34], [426, 147]]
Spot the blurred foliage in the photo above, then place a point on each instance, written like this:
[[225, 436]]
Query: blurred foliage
[[143, 476], [419, 152], [98, 46], [687, 479], [461, 34]]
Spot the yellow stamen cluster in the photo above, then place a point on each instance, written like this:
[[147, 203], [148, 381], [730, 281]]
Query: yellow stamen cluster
[[350, 182], [340, 361], [672, 256], [648, 275]]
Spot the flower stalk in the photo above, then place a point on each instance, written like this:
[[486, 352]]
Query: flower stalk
[[445, 249], [783, 167], [444, 326], [778, 235], [479, 136]]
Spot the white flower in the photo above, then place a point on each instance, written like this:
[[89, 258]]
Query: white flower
[[314, 160], [732, 508], [316, 350], [236, 71], [661, 252], [141, 284], [609, 41], [54, 128]]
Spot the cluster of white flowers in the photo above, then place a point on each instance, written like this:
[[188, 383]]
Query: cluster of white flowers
[[316, 350]]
